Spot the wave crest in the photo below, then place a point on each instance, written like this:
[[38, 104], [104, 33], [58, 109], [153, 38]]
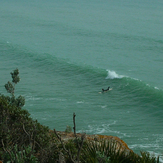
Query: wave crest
[[113, 75]]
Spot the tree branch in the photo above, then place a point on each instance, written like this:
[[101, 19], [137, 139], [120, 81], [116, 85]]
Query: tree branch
[[7, 152], [67, 151], [82, 139]]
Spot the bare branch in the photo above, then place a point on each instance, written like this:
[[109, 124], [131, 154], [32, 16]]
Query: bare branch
[[82, 139], [7, 151], [25, 130], [74, 115], [67, 151]]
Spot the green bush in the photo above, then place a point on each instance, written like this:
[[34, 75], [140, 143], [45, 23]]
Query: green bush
[[19, 156], [68, 129], [19, 130], [107, 152]]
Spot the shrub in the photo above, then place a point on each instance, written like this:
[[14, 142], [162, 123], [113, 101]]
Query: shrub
[[68, 129], [19, 131]]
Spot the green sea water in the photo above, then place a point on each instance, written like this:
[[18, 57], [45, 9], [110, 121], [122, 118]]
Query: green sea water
[[67, 51]]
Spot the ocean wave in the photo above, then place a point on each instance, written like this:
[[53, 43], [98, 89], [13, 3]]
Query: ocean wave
[[58, 70], [113, 75], [129, 87], [104, 129]]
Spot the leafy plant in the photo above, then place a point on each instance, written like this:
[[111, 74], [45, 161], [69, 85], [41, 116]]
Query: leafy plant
[[146, 157], [19, 131], [104, 151], [10, 87], [19, 156], [101, 158], [68, 129]]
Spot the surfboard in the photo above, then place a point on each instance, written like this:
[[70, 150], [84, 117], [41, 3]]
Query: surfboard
[[107, 91]]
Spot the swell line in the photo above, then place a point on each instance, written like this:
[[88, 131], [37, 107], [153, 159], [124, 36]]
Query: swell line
[[145, 94], [95, 77]]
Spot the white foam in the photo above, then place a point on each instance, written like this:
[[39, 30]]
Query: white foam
[[31, 98], [54, 99], [113, 75], [100, 131], [79, 102], [156, 88], [103, 106], [143, 146], [155, 154]]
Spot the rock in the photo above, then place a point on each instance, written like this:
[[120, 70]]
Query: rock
[[120, 144]]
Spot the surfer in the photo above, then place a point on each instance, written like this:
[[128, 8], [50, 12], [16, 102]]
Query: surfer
[[105, 90]]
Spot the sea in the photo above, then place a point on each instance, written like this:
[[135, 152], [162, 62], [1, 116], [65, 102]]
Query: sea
[[67, 51]]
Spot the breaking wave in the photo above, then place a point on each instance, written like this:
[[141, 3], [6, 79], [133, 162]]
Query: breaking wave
[[113, 75]]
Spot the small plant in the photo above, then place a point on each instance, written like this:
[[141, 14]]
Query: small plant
[[68, 129], [10, 87], [102, 158], [146, 157]]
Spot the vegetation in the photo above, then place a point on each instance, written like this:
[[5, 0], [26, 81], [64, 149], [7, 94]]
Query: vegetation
[[24, 140], [68, 129]]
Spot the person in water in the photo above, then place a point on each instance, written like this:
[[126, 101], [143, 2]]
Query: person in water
[[104, 90]]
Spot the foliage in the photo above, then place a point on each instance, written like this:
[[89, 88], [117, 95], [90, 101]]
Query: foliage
[[10, 87], [19, 156], [146, 157], [102, 158], [20, 131], [108, 152], [68, 129]]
